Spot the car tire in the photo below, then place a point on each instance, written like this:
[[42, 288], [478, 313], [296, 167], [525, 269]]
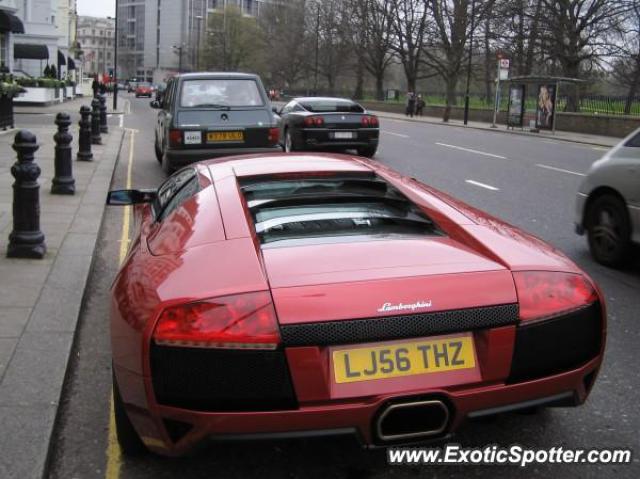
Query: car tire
[[289, 144], [367, 151], [608, 230], [166, 165], [128, 439], [157, 149]]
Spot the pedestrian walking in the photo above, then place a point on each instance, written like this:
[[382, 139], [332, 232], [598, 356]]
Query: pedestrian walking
[[411, 104], [95, 86], [420, 104]]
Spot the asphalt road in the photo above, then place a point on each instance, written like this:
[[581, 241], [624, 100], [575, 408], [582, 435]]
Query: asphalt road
[[529, 182]]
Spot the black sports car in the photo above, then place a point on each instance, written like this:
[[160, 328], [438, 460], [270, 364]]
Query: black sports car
[[317, 123]]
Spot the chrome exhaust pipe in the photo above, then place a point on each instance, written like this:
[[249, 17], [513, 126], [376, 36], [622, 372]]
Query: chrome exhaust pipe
[[412, 420]]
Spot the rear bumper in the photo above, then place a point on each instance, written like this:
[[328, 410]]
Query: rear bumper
[[321, 138], [352, 417], [178, 158]]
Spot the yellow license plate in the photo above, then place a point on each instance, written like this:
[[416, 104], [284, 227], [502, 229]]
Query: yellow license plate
[[404, 359], [215, 136]]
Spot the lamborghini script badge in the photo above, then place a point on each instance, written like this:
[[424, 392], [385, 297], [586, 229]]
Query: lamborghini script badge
[[387, 307]]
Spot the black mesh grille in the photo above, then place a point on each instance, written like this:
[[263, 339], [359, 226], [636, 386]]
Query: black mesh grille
[[221, 380], [398, 327], [556, 345]]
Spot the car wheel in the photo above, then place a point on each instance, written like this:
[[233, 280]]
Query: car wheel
[[166, 165], [289, 146], [608, 230], [367, 151], [157, 149], [130, 442]]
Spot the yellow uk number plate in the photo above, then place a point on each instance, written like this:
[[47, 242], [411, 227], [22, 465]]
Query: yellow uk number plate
[[404, 359], [217, 136]]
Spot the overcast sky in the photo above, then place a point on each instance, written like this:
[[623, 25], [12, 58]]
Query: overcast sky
[[99, 8]]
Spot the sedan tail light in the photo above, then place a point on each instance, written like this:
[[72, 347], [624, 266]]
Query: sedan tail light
[[312, 121], [274, 136], [543, 294], [243, 321], [369, 121], [175, 137]]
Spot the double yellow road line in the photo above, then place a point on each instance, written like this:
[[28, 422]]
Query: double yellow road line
[[114, 457]]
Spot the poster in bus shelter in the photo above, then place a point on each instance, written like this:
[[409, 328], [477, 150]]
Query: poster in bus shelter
[[516, 105], [545, 112]]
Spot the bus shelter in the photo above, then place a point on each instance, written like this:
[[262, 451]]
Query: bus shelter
[[534, 100]]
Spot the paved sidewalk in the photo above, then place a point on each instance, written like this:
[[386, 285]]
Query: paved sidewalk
[[40, 300], [605, 141], [71, 106]]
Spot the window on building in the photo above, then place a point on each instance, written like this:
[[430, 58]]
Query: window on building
[[3, 49]]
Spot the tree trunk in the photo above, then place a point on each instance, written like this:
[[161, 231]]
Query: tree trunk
[[631, 94], [358, 93], [452, 83], [488, 66], [379, 86]]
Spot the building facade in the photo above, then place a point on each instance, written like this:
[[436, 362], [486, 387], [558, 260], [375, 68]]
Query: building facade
[[37, 33], [158, 38], [96, 39]]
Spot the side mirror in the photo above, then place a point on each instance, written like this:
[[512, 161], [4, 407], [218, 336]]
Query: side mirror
[[130, 197], [155, 104], [275, 110]]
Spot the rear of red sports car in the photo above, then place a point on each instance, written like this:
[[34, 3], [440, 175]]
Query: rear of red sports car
[[284, 296]]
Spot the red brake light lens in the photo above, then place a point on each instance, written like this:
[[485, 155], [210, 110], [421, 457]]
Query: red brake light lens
[[274, 136], [312, 121], [543, 294], [243, 321], [369, 121], [175, 137]]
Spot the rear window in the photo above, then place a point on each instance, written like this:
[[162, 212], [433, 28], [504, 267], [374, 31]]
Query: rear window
[[144, 84], [305, 208], [219, 93], [329, 106]]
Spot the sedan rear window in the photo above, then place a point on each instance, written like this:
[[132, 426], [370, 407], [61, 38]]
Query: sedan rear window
[[220, 93], [329, 106], [285, 209]]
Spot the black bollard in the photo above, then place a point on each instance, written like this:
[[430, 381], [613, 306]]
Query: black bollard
[[26, 240], [104, 128], [63, 182], [84, 137], [96, 139]]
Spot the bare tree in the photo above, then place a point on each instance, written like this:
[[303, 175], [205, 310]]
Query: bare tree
[[370, 23], [231, 42], [284, 47], [626, 67], [446, 48], [409, 23], [579, 33]]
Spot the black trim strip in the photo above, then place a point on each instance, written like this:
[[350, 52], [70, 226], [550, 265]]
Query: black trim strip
[[398, 327]]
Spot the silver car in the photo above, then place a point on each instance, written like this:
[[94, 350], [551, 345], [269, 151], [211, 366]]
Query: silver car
[[608, 203]]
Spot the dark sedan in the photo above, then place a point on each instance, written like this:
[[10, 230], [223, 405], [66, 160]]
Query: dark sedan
[[317, 123], [206, 115]]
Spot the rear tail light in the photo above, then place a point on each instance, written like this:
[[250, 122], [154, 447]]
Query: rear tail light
[[314, 121], [543, 294], [175, 137], [243, 321], [369, 121], [274, 136]]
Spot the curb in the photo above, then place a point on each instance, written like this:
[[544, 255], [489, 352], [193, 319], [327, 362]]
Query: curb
[[40, 363], [383, 114]]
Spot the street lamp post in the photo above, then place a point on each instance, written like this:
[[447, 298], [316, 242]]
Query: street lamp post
[[466, 96], [179, 49], [315, 80], [115, 63]]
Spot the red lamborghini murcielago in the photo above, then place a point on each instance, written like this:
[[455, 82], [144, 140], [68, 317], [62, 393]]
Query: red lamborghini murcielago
[[289, 295]]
